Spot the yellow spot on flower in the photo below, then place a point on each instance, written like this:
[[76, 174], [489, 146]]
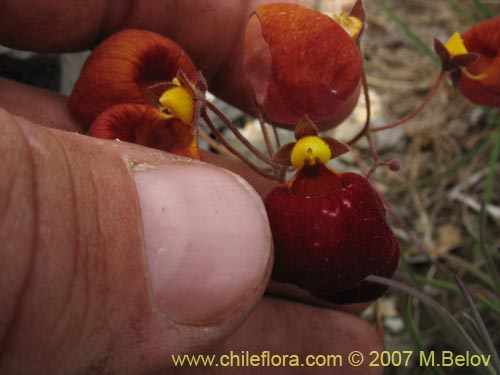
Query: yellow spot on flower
[[455, 45], [351, 25], [310, 150], [179, 103]]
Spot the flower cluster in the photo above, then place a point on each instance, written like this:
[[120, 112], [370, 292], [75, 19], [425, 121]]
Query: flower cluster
[[140, 87], [329, 228]]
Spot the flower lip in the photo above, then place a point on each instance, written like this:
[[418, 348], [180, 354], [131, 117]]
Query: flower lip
[[179, 102], [147, 126], [122, 68], [309, 151], [179, 98], [455, 45]]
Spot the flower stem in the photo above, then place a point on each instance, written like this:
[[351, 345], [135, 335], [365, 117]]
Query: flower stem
[[265, 133], [237, 133], [270, 174], [216, 146], [417, 110], [366, 94]]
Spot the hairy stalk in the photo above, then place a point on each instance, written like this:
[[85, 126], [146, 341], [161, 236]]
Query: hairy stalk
[[276, 137], [238, 135], [374, 154], [366, 94], [270, 174], [417, 110], [216, 146], [265, 133]]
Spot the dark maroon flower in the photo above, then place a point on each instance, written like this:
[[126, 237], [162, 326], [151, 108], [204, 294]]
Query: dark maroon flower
[[329, 228]]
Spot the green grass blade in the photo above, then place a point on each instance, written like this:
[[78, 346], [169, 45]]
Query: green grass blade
[[463, 162], [488, 192], [408, 271], [464, 13], [492, 305], [481, 326], [408, 32], [483, 8], [449, 325], [471, 268], [442, 285], [410, 327]]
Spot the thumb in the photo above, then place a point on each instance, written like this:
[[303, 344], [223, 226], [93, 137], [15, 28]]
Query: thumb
[[113, 256]]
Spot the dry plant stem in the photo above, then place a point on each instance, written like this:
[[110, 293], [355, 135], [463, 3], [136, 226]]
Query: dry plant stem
[[366, 94], [417, 110], [401, 224], [237, 133], [216, 146], [414, 240], [265, 173], [397, 219]]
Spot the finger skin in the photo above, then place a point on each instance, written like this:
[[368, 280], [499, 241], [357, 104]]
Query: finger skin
[[64, 307], [41, 106], [214, 43], [287, 328], [51, 111], [74, 288], [210, 31]]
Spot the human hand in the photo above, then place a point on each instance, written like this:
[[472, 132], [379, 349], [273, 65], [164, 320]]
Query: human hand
[[113, 256]]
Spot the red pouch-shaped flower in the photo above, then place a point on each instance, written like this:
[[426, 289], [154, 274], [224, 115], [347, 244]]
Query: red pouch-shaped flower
[[301, 62], [122, 68], [140, 87], [329, 228], [478, 76], [146, 126]]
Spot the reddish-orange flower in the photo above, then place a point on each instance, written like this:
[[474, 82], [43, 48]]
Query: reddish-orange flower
[[301, 62], [146, 125], [137, 86], [478, 74], [122, 68], [329, 228]]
